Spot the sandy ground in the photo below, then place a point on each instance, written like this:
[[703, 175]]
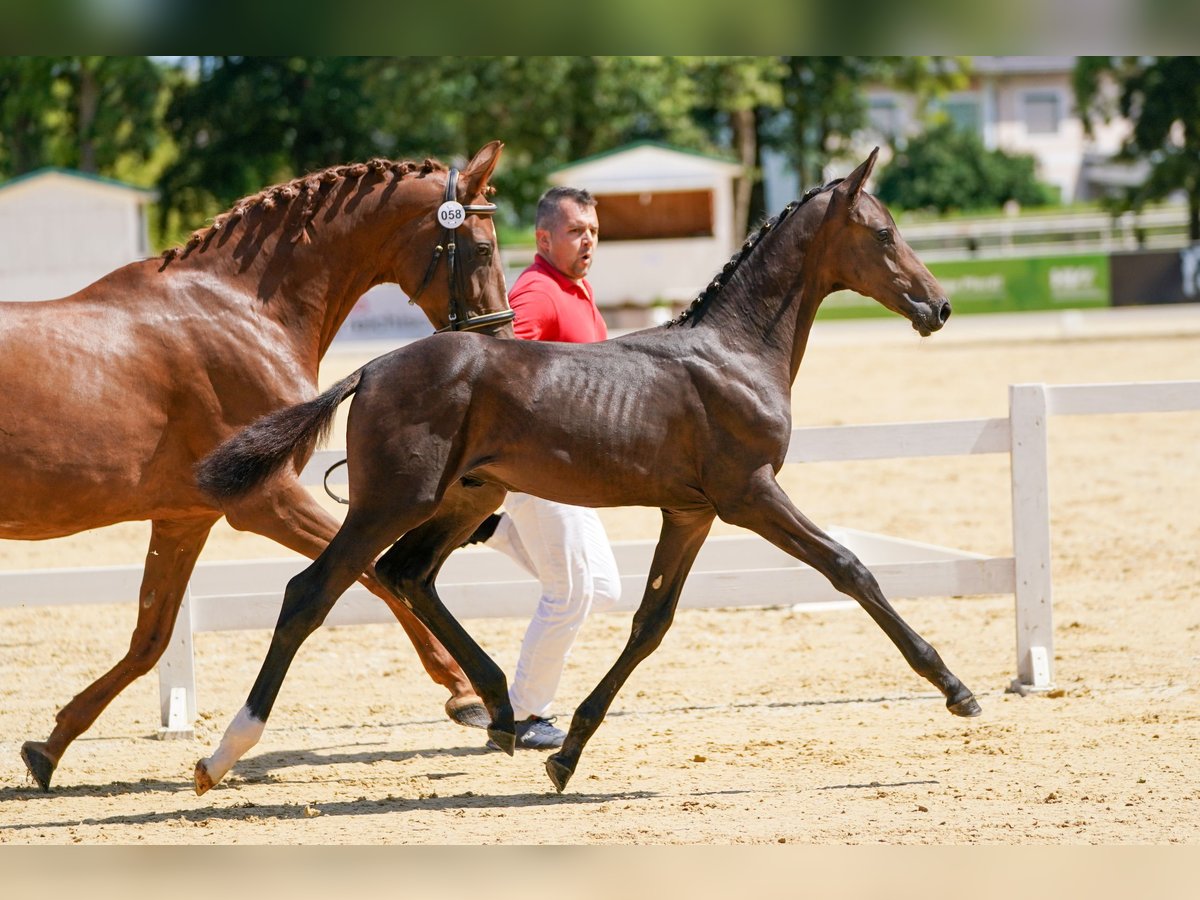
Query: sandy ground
[[758, 726]]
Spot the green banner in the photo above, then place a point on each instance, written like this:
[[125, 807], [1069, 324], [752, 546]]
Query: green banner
[[1002, 285]]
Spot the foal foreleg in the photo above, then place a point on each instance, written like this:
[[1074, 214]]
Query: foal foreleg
[[306, 602], [410, 569], [287, 513], [679, 541], [174, 548], [766, 509]]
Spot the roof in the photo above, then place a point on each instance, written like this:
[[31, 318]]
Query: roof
[[95, 180], [1021, 65], [646, 166], [719, 161]]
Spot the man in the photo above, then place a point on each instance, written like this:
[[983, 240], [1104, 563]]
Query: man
[[564, 547]]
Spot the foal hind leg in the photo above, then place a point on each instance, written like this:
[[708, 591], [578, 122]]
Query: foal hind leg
[[766, 509], [174, 547], [306, 601], [679, 541], [288, 514], [410, 568]]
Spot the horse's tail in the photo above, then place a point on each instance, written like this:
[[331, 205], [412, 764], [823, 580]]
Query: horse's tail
[[256, 452]]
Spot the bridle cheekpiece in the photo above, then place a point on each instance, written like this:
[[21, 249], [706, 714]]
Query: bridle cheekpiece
[[452, 214]]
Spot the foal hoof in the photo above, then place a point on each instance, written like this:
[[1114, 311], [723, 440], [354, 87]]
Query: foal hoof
[[966, 707], [505, 740], [202, 779], [559, 773], [41, 766], [468, 711]]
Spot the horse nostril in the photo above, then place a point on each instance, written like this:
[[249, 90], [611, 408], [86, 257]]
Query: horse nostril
[[944, 311]]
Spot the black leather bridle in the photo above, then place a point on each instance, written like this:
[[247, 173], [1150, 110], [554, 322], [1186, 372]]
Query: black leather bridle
[[454, 216]]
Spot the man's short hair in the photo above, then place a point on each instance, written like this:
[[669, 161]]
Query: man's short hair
[[550, 203]]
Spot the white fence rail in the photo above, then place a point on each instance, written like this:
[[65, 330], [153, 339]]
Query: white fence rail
[[730, 571]]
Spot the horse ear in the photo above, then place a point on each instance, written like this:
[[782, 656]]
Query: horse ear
[[475, 176], [854, 182]]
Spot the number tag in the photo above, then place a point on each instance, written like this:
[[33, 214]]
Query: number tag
[[451, 214]]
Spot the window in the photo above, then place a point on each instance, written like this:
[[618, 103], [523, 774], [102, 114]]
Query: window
[[1042, 113], [964, 113], [884, 116]]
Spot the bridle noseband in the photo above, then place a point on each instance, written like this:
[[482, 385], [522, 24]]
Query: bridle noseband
[[451, 214]]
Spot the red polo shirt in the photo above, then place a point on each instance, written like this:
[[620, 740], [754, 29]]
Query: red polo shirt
[[549, 306]]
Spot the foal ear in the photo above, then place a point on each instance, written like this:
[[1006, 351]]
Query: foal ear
[[475, 176], [854, 182]]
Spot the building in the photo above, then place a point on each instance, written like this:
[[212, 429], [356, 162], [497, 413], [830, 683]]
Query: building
[[666, 227], [61, 230]]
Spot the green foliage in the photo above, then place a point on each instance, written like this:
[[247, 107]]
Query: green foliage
[[1160, 96], [209, 130], [949, 169], [824, 104], [97, 114]]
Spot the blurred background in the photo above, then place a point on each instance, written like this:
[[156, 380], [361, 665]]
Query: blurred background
[[1025, 182]]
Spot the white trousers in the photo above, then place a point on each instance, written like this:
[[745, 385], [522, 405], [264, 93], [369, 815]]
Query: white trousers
[[567, 550]]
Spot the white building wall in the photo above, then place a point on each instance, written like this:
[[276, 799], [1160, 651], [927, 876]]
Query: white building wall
[[59, 233]]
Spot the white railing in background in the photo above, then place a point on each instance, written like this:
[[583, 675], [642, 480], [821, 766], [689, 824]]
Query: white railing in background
[[729, 572]]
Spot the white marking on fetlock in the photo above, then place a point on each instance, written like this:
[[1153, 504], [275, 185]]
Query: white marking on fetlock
[[242, 734]]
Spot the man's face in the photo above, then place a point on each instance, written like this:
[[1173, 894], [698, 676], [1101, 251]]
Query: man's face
[[571, 239]]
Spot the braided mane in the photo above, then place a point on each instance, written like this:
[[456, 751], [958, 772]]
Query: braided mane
[[722, 278], [306, 193]]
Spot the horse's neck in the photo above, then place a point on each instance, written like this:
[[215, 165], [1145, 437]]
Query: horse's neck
[[310, 285], [767, 312]]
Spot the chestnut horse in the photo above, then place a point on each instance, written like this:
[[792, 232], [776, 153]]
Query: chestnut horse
[[693, 417], [116, 391]]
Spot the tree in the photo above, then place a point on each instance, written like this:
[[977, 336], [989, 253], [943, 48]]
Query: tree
[[1159, 95], [824, 105], [947, 168], [736, 89], [89, 113], [247, 122]]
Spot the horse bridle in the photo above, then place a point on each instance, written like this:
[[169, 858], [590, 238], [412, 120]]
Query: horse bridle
[[460, 317]]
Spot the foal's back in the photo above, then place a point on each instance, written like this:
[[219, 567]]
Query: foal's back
[[619, 423]]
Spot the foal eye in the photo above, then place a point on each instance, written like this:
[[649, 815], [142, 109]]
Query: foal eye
[[884, 235]]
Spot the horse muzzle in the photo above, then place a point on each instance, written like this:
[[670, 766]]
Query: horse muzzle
[[928, 316]]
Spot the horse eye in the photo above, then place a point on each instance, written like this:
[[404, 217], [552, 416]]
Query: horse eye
[[884, 235], [484, 250]]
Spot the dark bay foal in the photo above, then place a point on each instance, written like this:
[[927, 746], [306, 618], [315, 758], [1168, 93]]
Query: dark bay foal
[[693, 417]]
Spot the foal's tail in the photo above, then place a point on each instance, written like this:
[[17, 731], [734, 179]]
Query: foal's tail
[[256, 452]]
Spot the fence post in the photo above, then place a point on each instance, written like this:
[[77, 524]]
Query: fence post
[[1031, 538], [177, 677]]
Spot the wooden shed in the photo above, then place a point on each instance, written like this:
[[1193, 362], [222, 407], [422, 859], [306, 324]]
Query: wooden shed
[[666, 226], [60, 230]]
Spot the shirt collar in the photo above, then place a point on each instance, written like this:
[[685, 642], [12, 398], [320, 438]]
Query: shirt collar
[[545, 266]]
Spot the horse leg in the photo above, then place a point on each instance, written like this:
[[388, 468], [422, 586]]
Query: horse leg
[[291, 516], [410, 569], [306, 602], [766, 509], [679, 541], [174, 547]]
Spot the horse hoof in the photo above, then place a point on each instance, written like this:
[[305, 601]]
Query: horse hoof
[[203, 780], [559, 773], [38, 761], [468, 711], [967, 707], [505, 740]]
